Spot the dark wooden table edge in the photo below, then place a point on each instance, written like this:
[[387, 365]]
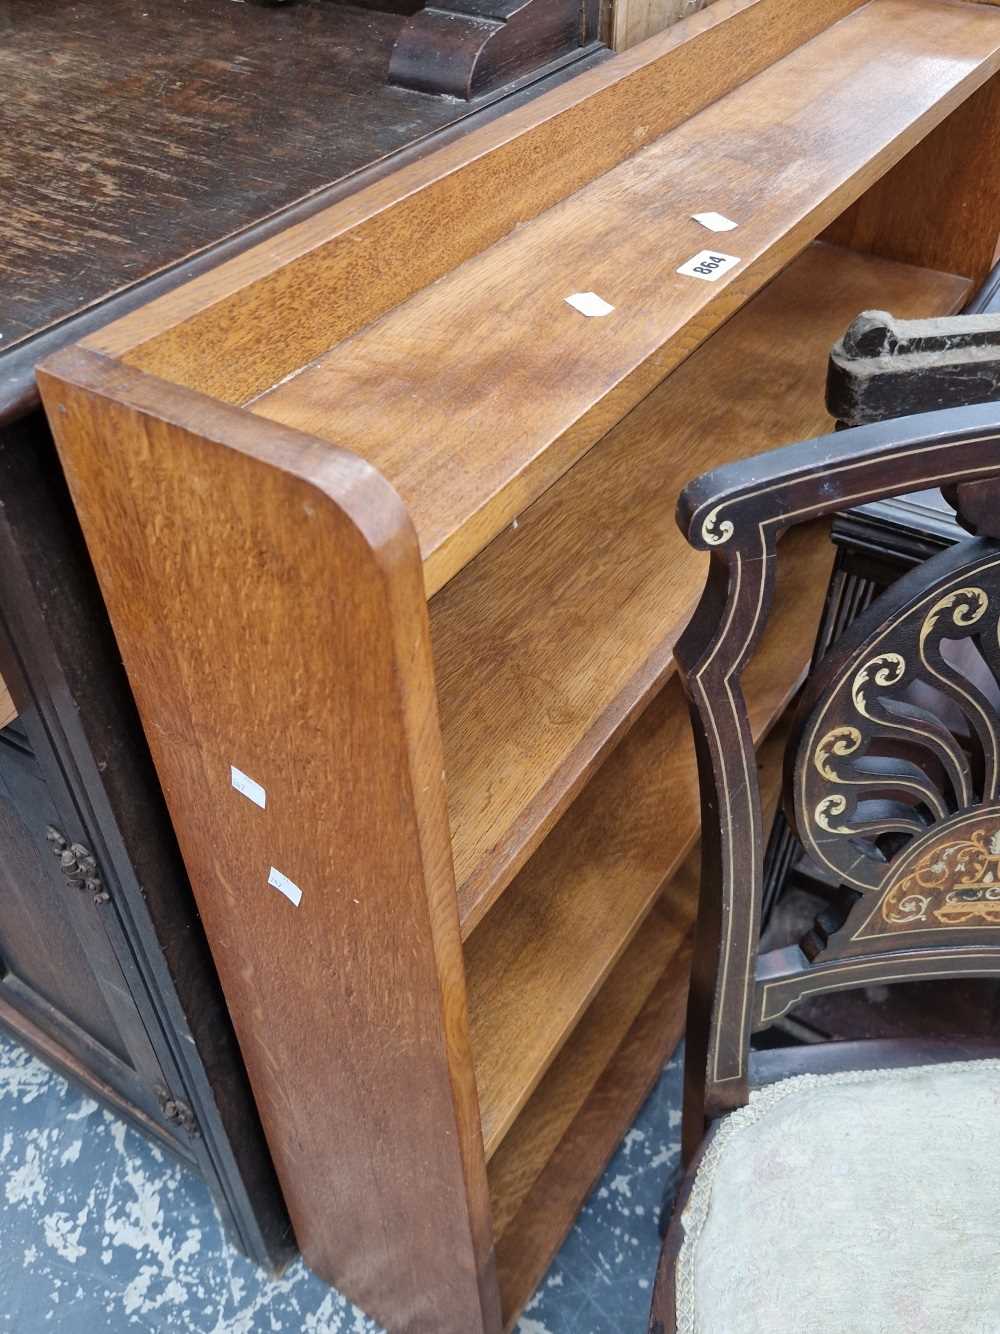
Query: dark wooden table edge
[[18, 391]]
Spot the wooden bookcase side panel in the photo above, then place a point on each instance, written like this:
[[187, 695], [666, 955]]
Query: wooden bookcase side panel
[[940, 206], [266, 595], [322, 280], [542, 953]]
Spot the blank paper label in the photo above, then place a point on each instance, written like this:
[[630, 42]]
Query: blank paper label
[[715, 222], [285, 886], [589, 303], [244, 783]]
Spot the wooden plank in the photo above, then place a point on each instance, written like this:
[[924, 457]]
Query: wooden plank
[[174, 156], [335, 272], [477, 393], [659, 945], [561, 1142], [7, 710], [549, 1209], [940, 206], [548, 644], [539, 957], [217, 546]]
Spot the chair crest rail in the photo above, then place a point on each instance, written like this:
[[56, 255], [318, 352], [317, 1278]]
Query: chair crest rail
[[730, 505]]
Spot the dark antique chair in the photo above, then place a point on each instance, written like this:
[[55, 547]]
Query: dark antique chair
[[847, 1186]]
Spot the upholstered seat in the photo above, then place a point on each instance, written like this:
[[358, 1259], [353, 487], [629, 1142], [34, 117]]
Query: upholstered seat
[[863, 1202]]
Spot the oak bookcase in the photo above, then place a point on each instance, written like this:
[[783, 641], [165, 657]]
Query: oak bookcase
[[384, 524]]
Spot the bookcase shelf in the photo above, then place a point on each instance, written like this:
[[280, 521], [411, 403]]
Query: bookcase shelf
[[386, 524], [539, 383], [594, 1088], [661, 945], [542, 953], [550, 642]]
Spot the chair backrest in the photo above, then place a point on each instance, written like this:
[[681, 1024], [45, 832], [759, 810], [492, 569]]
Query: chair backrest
[[892, 776]]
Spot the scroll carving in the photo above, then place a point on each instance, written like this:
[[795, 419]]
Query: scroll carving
[[897, 776]]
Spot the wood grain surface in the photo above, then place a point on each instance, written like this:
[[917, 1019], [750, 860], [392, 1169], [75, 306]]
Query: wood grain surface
[[346, 986], [940, 206], [480, 391], [659, 945], [560, 1190], [541, 954], [551, 640], [348, 264], [138, 133], [561, 1142]]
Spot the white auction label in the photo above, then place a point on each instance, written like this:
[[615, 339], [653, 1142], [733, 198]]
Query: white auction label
[[708, 265], [589, 303], [715, 222], [244, 783], [277, 880]]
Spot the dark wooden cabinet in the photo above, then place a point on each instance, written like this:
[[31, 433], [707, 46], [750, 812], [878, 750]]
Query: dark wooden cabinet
[[104, 972], [59, 969]]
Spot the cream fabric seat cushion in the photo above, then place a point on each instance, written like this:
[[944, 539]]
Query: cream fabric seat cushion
[[859, 1203]]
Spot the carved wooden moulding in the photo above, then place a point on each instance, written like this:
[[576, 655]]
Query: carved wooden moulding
[[463, 48]]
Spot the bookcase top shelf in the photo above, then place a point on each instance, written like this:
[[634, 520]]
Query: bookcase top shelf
[[478, 392]]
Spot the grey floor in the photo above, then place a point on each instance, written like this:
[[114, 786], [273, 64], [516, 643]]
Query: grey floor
[[100, 1232]]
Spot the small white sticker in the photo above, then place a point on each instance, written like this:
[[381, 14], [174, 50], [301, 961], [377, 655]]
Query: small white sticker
[[715, 222], [708, 264], [244, 783], [589, 303], [285, 886]]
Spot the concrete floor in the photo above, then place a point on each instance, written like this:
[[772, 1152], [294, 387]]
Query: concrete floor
[[101, 1233]]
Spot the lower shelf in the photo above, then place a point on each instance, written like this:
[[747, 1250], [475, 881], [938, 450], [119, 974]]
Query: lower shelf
[[659, 950], [558, 1147], [549, 1206], [543, 952]]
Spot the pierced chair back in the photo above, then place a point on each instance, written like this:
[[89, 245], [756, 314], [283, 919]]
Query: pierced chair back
[[892, 774]]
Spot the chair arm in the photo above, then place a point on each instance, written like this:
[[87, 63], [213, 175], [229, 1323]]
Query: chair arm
[[735, 505]]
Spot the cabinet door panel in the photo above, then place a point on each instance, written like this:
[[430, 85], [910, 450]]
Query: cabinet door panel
[[39, 945]]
